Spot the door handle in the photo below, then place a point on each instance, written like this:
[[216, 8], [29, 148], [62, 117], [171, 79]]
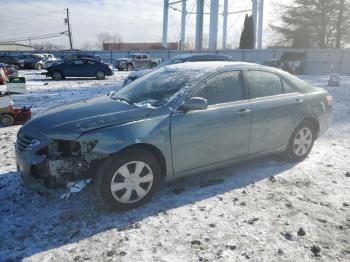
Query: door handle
[[243, 112], [298, 101]]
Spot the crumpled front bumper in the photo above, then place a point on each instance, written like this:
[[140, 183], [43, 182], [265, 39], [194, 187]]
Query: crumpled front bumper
[[38, 172], [30, 180]]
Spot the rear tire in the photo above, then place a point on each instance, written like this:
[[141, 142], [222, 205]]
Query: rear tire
[[100, 75], [128, 179], [57, 76], [40, 67], [301, 142], [7, 120], [129, 67]]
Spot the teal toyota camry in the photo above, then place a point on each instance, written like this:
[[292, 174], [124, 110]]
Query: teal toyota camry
[[176, 121]]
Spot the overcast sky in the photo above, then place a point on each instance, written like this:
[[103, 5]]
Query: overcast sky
[[133, 20]]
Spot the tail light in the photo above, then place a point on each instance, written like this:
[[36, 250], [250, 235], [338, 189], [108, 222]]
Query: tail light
[[328, 100]]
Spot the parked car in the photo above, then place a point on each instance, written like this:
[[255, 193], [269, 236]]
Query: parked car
[[79, 68], [10, 60], [43, 63], [135, 61], [31, 61], [292, 62], [176, 121], [70, 57], [194, 57]]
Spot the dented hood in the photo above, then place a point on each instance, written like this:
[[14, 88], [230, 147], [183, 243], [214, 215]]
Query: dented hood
[[69, 121]]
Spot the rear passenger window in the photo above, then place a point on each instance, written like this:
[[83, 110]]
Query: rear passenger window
[[223, 88], [288, 88], [264, 84]]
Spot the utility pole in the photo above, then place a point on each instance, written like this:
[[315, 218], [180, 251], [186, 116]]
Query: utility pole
[[224, 27], [183, 25], [165, 24], [255, 19], [213, 24], [199, 25], [260, 24], [69, 31]]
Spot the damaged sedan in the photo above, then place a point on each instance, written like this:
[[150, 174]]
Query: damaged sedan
[[176, 121]]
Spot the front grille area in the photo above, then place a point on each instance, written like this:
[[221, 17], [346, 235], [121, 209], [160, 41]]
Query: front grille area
[[22, 143]]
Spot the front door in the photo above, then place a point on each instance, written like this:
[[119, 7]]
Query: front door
[[220, 133]]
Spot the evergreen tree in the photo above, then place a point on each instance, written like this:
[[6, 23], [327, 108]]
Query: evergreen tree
[[323, 23], [247, 40]]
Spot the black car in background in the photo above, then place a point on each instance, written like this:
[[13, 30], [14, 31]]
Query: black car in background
[[10, 60], [80, 67], [194, 57]]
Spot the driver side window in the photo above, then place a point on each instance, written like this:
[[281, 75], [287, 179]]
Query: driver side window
[[223, 88]]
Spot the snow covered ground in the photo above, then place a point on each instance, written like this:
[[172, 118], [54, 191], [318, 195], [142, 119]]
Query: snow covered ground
[[262, 210]]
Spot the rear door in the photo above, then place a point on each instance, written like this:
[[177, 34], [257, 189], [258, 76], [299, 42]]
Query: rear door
[[277, 106], [91, 67], [220, 133]]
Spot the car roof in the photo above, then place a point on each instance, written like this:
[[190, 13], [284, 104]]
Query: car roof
[[215, 66]]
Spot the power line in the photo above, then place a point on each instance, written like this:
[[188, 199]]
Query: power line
[[34, 37], [13, 19], [35, 31]]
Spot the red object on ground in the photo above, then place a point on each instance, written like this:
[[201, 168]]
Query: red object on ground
[[4, 72], [20, 115]]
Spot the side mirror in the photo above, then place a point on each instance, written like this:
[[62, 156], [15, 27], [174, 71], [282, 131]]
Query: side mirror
[[194, 103]]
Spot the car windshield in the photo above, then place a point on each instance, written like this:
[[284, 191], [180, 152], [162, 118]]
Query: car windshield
[[156, 88]]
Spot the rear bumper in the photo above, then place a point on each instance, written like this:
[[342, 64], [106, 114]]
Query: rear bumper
[[110, 73]]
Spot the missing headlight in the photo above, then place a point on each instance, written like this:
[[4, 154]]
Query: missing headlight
[[75, 148]]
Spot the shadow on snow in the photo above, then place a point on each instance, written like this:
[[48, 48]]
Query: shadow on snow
[[35, 224]]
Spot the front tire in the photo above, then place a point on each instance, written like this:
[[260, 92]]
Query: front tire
[[129, 67], [128, 179], [301, 142], [39, 67]]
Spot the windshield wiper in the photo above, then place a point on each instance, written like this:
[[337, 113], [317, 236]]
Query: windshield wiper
[[123, 99], [112, 95]]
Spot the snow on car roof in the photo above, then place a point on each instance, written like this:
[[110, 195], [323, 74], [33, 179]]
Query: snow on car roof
[[184, 56], [212, 66]]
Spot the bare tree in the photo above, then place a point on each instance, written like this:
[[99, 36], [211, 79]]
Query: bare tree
[[48, 46], [87, 46], [106, 37]]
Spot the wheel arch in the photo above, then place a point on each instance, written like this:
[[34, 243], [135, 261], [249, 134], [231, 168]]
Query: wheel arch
[[57, 70], [314, 123], [153, 150]]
